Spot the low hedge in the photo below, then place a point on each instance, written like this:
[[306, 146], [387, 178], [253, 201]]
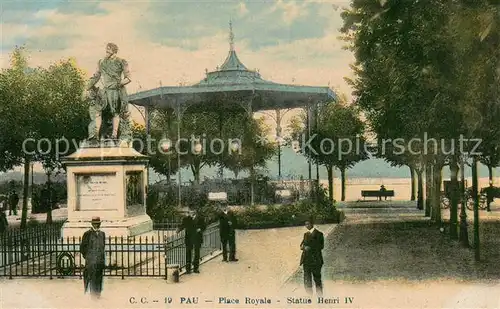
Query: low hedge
[[286, 215]]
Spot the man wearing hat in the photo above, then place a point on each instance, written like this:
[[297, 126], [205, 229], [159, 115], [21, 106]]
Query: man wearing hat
[[194, 226], [312, 258], [92, 250], [227, 224]]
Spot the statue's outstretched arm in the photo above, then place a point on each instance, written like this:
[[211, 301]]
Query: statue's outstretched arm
[[95, 78], [126, 74]]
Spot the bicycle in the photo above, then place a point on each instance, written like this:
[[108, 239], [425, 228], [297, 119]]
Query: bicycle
[[445, 201], [483, 200]]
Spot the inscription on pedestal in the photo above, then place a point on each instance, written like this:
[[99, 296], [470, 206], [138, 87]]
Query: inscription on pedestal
[[96, 191]]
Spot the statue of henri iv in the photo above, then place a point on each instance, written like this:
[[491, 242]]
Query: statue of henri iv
[[111, 99]]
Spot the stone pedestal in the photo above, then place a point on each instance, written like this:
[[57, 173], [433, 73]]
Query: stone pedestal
[[108, 181]]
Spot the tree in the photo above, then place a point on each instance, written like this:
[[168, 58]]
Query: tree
[[337, 142], [45, 105], [162, 160], [195, 129], [64, 117], [19, 108], [254, 150], [406, 75]]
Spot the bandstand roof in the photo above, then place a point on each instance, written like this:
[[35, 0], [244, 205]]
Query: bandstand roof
[[231, 82]]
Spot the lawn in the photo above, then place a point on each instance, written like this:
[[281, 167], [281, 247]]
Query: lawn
[[406, 251]]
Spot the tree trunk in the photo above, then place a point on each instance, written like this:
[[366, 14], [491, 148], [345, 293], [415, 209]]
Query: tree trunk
[[454, 199], [464, 234], [50, 203], [420, 192], [436, 210], [428, 190], [236, 172], [197, 176], [490, 173], [329, 169], [412, 174], [26, 183], [475, 194], [252, 178], [195, 168], [343, 179]]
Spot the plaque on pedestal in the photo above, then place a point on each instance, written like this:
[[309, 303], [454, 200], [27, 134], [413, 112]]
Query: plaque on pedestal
[[108, 181]]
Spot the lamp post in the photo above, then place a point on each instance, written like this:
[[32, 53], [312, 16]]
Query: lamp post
[[278, 117], [165, 146], [281, 142], [145, 117], [420, 199], [476, 208], [464, 235], [197, 148], [235, 146]]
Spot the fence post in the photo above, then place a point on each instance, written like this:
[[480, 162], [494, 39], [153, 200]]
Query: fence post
[[123, 269], [166, 257]]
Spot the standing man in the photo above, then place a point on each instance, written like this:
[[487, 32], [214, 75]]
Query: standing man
[[115, 97], [13, 201], [4, 224], [489, 196], [312, 258], [92, 250], [194, 226], [227, 224]]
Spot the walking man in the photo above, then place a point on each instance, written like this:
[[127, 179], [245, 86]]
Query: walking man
[[13, 201], [312, 258], [194, 226], [227, 224], [92, 250]]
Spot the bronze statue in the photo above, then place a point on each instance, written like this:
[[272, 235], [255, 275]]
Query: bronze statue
[[112, 97]]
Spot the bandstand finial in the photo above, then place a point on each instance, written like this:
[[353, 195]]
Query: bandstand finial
[[231, 35]]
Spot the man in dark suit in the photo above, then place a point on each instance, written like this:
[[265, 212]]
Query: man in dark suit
[[13, 201], [92, 250], [227, 225], [312, 258], [194, 226]]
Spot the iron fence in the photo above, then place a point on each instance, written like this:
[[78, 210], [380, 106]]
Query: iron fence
[[27, 243], [43, 253]]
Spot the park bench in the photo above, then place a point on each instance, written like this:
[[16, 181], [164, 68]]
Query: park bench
[[377, 193]]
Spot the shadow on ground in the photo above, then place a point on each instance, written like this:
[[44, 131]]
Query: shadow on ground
[[405, 251]]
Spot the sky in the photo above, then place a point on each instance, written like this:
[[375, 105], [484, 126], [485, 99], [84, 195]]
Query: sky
[[173, 42]]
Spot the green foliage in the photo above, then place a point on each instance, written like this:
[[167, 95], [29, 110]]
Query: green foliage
[[162, 162], [254, 153], [59, 196], [336, 141], [161, 205], [423, 67], [40, 103], [7, 186], [204, 127], [286, 215], [194, 128]]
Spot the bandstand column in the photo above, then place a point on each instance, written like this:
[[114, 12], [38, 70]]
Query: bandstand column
[[316, 129], [148, 140], [308, 136]]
